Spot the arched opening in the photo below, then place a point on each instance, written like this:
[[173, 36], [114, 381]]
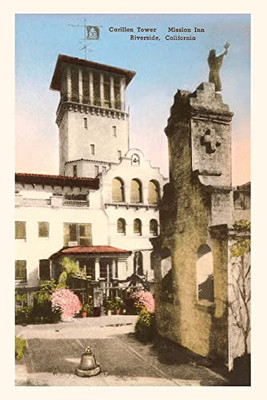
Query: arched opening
[[136, 191], [137, 227], [117, 190], [153, 192], [121, 226], [138, 263], [153, 227], [204, 273]]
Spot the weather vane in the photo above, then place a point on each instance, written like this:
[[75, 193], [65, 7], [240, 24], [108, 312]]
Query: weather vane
[[91, 32]]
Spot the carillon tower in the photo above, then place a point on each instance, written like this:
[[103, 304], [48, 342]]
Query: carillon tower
[[91, 116]]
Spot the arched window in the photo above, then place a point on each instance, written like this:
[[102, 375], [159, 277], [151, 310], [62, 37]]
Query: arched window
[[153, 192], [204, 266], [153, 227], [136, 191], [121, 226], [117, 190], [138, 263], [137, 228]]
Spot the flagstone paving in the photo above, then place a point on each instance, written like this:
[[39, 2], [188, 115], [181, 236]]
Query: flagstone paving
[[54, 351]]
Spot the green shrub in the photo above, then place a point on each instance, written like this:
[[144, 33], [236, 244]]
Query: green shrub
[[20, 347], [42, 308], [145, 326], [23, 315]]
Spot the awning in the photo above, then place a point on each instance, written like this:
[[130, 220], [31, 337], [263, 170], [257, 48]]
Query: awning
[[90, 250]]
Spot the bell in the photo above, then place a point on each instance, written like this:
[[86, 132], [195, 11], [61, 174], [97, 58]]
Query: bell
[[88, 366]]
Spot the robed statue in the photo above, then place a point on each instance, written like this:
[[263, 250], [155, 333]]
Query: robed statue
[[215, 63]]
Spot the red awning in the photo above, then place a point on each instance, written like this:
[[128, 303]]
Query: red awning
[[89, 250]]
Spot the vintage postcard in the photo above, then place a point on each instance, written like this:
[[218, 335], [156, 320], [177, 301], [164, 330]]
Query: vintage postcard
[[132, 200]]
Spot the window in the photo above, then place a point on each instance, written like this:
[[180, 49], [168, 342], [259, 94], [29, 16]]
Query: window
[[117, 190], [85, 123], [204, 269], [136, 191], [20, 271], [74, 171], [104, 169], [77, 234], [20, 230], [119, 153], [92, 149], [137, 228], [44, 269], [96, 170], [106, 91], [138, 263], [117, 93], [114, 131], [121, 226], [43, 229], [153, 227], [135, 160], [105, 268], [153, 192]]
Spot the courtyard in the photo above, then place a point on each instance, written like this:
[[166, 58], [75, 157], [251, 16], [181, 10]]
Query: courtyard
[[54, 352]]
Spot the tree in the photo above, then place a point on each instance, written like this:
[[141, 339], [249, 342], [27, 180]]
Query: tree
[[239, 302], [69, 267]]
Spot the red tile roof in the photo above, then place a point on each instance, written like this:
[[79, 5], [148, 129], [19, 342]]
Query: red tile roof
[[76, 250], [60, 180], [56, 79]]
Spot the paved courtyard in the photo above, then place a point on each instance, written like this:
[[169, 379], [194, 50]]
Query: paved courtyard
[[54, 351]]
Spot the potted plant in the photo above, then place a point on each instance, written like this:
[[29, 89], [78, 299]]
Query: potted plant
[[118, 303], [109, 306], [86, 310]]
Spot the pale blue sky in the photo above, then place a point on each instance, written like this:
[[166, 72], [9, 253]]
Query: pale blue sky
[[161, 68]]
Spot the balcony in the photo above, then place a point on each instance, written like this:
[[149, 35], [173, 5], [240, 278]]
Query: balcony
[[75, 203]]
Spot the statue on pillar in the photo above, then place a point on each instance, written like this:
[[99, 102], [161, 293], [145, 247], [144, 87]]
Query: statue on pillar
[[215, 63]]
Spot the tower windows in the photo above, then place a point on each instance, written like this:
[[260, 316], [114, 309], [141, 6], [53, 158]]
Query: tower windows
[[92, 149], [153, 192], [114, 131], [137, 227], [85, 123], [117, 93], [96, 170], [74, 171], [136, 191], [74, 85], [107, 91], [121, 226], [153, 227], [119, 153], [117, 190]]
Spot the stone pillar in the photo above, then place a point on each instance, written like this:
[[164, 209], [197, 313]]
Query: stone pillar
[[112, 94], [102, 90], [80, 85], [91, 88], [68, 77], [122, 93], [97, 269]]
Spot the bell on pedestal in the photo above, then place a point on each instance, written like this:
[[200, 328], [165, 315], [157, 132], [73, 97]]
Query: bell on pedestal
[[88, 366]]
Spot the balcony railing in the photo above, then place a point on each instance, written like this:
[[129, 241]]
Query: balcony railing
[[75, 203], [36, 202]]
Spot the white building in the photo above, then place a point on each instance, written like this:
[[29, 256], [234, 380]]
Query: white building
[[102, 208]]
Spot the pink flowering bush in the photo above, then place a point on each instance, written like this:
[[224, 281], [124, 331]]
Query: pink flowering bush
[[143, 299], [66, 302]]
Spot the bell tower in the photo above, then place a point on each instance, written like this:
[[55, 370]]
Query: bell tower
[[91, 116]]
